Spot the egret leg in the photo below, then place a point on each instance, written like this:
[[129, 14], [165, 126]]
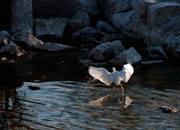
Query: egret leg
[[123, 92]]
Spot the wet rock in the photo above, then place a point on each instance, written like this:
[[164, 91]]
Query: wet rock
[[25, 39], [128, 101], [168, 109], [50, 27], [105, 27], [12, 49], [127, 56], [90, 6], [161, 12], [34, 87], [4, 59], [3, 40], [5, 34], [110, 7], [79, 20], [88, 32], [156, 52], [22, 19], [106, 50], [112, 37]]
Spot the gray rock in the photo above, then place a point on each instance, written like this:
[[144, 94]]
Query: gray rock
[[12, 49], [120, 20], [110, 7], [90, 6], [160, 13], [127, 56], [79, 20], [22, 19], [50, 27], [5, 33], [105, 27], [31, 41], [143, 6], [106, 50], [88, 32], [156, 52]]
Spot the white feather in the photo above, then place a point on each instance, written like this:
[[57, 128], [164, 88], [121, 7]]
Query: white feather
[[116, 76]]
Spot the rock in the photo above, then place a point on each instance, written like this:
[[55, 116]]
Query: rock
[[110, 7], [50, 27], [79, 20], [3, 40], [127, 56], [168, 109], [4, 59], [151, 62], [88, 32], [161, 12], [143, 6], [112, 37], [106, 50], [105, 27], [156, 52], [120, 20], [22, 19], [90, 6], [5, 34], [11, 61], [34, 87], [31, 41]]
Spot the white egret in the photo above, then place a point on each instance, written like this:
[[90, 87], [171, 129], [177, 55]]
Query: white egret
[[115, 77]]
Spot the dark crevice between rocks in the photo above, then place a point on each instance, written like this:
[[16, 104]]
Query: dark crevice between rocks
[[5, 13]]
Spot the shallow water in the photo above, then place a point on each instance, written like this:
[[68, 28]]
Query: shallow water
[[64, 105]]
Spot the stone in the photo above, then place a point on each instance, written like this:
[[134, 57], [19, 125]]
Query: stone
[[143, 6], [12, 49], [88, 32], [5, 34], [160, 13], [128, 56], [79, 20], [22, 19], [110, 7], [106, 50], [120, 20], [90, 6], [31, 41], [105, 27], [168, 109], [50, 27]]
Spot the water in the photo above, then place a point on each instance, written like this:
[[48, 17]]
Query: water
[[63, 105]]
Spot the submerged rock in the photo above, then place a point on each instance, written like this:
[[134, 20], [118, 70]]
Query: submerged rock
[[106, 50], [168, 109], [50, 27], [22, 19], [79, 20], [128, 56], [105, 27], [25, 39]]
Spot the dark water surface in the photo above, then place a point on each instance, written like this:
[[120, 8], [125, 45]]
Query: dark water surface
[[63, 104]]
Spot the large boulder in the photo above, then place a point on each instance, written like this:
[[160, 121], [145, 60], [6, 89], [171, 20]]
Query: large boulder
[[128, 56], [50, 27], [160, 13], [31, 41], [110, 7], [22, 19], [90, 6], [88, 32], [79, 20], [106, 50], [105, 27]]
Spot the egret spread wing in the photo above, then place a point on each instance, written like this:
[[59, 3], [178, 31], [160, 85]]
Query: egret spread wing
[[101, 74], [127, 72]]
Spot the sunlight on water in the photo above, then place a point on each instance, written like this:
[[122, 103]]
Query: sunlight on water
[[64, 105]]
